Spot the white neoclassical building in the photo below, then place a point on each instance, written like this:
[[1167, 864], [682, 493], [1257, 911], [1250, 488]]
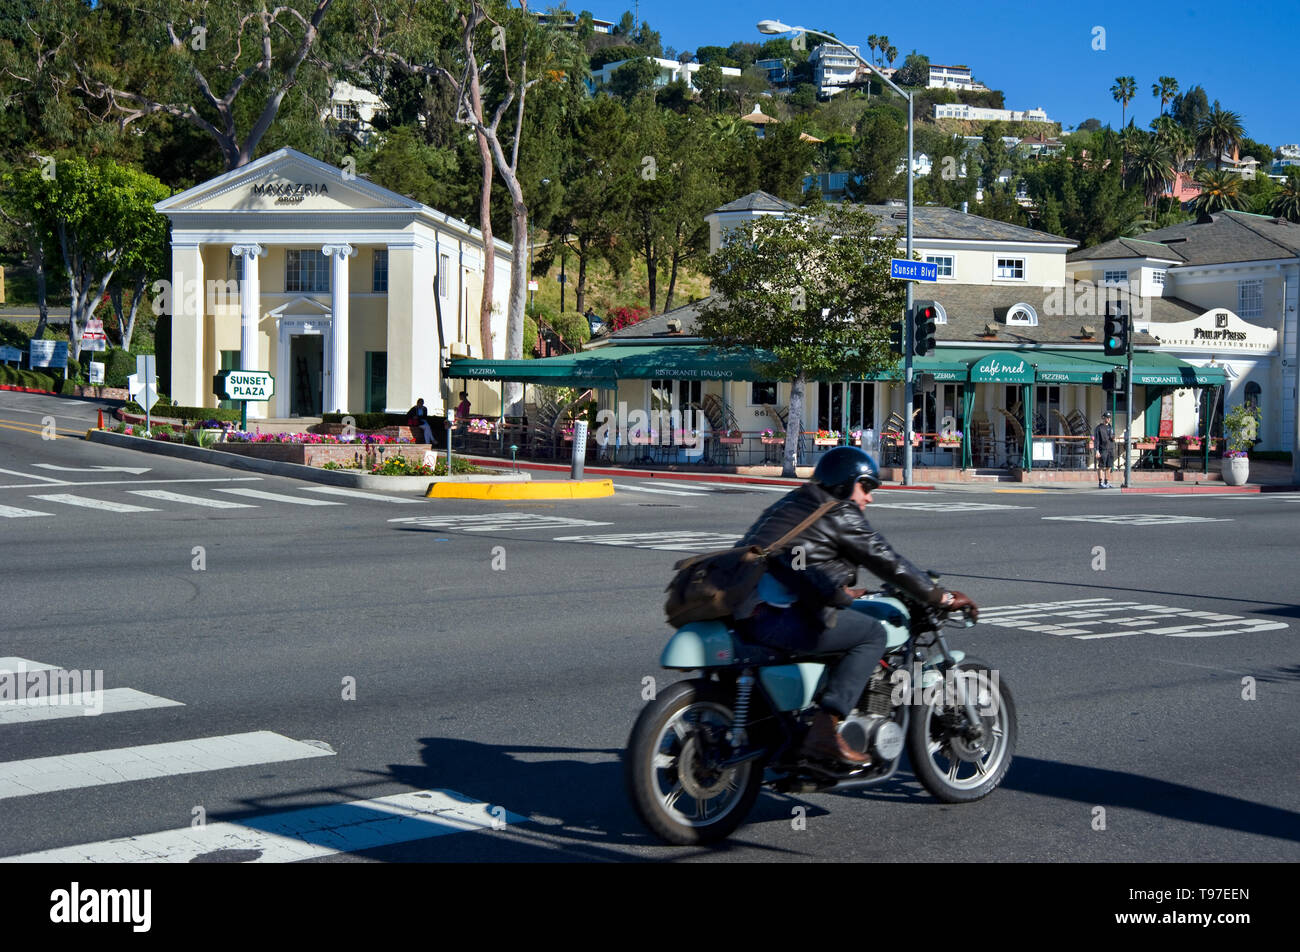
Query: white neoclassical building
[[353, 297]]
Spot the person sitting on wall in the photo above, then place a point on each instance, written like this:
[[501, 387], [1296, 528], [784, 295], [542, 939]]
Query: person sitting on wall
[[417, 418]]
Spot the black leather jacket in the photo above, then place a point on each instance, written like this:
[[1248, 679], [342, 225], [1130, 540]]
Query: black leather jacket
[[833, 548]]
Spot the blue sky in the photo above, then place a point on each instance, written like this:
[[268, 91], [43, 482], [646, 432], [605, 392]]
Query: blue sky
[[1041, 53]]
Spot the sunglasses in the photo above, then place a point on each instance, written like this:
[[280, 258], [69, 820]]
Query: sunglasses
[[867, 483]]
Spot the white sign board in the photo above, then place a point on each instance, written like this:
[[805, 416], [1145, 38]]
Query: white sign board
[[96, 372], [250, 385], [93, 337], [143, 385], [48, 353]]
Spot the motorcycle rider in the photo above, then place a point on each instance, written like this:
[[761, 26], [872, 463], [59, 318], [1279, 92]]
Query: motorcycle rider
[[800, 605]]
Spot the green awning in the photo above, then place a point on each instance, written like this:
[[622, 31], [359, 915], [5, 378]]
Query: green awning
[[588, 368], [1008, 366], [1071, 367], [685, 362], [1155, 369]]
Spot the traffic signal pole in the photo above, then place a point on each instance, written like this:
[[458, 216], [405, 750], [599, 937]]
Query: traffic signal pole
[[909, 391], [1128, 396]]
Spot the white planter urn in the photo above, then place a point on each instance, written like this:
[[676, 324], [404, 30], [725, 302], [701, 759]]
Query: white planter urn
[[1235, 469]]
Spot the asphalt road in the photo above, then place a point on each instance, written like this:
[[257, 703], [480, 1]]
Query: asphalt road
[[498, 653]]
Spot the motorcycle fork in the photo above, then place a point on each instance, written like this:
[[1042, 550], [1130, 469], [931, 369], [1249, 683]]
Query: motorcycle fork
[[963, 697]]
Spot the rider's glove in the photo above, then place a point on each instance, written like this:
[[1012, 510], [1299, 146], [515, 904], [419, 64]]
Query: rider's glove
[[956, 601]]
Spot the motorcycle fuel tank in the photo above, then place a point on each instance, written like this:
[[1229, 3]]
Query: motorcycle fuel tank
[[700, 644], [890, 612]]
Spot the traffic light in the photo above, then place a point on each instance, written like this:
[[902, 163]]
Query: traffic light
[[1113, 379], [923, 319], [896, 338], [1115, 340]]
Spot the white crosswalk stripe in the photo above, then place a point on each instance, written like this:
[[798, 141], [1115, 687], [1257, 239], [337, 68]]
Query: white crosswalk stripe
[[278, 497], [1135, 519], [79, 704], [1096, 618], [169, 496], [498, 522], [669, 541], [654, 489], [307, 833], [85, 502], [21, 778], [13, 512], [946, 506], [360, 494]]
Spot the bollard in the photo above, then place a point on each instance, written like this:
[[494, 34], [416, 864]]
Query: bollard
[[514, 463], [579, 448]]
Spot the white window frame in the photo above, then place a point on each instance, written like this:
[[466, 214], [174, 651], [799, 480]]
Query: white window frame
[[1160, 277], [378, 270], [444, 265], [1115, 278], [1028, 316], [1245, 308], [1011, 265], [950, 273]]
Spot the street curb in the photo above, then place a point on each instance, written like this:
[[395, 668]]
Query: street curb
[[48, 393], [1216, 490], [662, 474], [544, 489], [272, 467]]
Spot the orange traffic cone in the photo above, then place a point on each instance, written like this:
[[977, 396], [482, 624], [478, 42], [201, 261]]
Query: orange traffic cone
[[101, 419]]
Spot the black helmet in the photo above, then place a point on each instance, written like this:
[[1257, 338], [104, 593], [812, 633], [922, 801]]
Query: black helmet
[[838, 470]]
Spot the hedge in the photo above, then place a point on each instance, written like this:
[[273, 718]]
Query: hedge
[[367, 421], [169, 412], [32, 379]]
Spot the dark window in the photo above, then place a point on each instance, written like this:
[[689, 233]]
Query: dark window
[[762, 393], [379, 272], [306, 271]]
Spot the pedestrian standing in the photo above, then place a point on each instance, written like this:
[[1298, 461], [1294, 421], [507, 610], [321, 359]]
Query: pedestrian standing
[[1104, 439]]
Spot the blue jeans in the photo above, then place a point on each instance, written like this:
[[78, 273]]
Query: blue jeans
[[859, 638]]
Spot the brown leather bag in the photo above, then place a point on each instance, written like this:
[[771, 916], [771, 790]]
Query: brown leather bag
[[714, 584]]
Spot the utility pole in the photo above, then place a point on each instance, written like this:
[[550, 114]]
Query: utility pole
[[1128, 391]]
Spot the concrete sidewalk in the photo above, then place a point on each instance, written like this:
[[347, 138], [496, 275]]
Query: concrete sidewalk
[[1265, 476]]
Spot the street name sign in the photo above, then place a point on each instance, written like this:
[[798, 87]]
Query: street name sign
[[249, 385], [904, 270]]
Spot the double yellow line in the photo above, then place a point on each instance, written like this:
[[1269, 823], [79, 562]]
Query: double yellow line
[[22, 426]]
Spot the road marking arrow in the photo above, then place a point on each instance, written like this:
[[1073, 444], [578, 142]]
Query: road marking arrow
[[136, 470]]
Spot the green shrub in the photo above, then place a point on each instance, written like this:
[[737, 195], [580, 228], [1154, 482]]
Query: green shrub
[[118, 365], [161, 409], [69, 388], [33, 379], [366, 421]]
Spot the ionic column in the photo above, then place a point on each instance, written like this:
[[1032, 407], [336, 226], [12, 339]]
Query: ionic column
[[336, 394], [250, 297]]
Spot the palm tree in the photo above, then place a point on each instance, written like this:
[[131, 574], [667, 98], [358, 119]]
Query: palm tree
[[872, 42], [1287, 203], [1219, 131], [1166, 89], [882, 43], [1152, 168], [891, 54], [1175, 139], [1124, 90], [1220, 191]]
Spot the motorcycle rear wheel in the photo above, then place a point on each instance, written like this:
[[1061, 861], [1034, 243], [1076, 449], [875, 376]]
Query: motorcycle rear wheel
[[953, 768], [670, 768]]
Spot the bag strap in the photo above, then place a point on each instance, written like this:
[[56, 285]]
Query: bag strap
[[794, 533]]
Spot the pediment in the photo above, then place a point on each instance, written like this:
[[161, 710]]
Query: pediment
[[287, 181]]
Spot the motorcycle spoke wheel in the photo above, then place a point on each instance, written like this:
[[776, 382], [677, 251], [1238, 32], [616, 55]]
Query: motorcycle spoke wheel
[[673, 770], [954, 766]]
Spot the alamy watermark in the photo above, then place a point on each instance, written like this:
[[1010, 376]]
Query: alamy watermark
[[51, 687], [980, 687], [686, 428]]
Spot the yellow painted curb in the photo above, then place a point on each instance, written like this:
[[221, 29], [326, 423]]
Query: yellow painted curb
[[542, 489]]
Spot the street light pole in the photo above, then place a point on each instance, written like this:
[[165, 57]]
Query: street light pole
[[776, 26]]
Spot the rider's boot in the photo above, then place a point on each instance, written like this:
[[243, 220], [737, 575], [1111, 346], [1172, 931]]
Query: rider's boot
[[825, 743]]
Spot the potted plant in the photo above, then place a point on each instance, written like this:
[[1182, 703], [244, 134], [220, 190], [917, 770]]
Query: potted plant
[[949, 440], [827, 438], [732, 437], [772, 437], [1189, 443], [1241, 426]]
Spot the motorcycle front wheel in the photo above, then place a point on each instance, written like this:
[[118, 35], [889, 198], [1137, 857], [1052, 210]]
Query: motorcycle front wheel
[[672, 766], [955, 760]]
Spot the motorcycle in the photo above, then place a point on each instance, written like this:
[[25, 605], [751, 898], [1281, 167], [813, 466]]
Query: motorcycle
[[700, 752]]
